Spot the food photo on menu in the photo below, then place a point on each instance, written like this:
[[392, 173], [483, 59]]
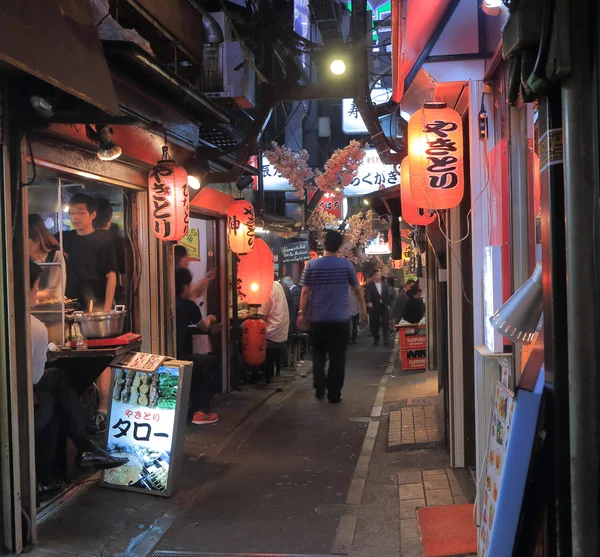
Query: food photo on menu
[[142, 420]]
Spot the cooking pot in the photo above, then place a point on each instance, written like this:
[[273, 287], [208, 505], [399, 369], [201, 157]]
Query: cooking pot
[[101, 324]]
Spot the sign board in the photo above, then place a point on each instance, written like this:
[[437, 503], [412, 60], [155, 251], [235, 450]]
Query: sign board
[[146, 424], [333, 204], [492, 296], [298, 251], [372, 175], [378, 246], [352, 122], [191, 242], [514, 422]]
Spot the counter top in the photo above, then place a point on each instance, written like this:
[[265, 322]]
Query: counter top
[[106, 352]]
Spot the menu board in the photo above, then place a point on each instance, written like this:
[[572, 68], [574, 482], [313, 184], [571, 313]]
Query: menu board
[[191, 242], [298, 251], [144, 420], [504, 404], [514, 423]]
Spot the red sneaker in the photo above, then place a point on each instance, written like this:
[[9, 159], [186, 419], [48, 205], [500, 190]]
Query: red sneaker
[[201, 418]]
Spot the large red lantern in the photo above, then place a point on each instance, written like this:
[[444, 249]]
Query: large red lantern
[[397, 264], [240, 226], [255, 274], [361, 278], [435, 155], [169, 199], [313, 254], [410, 212], [254, 341]]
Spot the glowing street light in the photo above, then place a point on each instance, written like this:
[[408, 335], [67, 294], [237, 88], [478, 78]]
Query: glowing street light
[[337, 67]]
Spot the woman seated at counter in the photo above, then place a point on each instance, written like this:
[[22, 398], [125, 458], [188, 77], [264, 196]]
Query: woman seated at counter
[[57, 408], [44, 248]]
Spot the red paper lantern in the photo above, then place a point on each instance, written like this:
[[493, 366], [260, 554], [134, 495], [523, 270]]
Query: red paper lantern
[[169, 199], [314, 254], [361, 278], [435, 154], [240, 226], [397, 264], [255, 274], [410, 212], [254, 341]]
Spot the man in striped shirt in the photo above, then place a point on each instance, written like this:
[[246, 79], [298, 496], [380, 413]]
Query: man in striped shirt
[[325, 290]]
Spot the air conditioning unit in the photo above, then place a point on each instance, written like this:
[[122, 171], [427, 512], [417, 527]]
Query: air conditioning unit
[[220, 79]]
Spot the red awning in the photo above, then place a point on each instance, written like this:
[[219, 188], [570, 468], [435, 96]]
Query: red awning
[[211, 202], [414, 22], [57, 42]]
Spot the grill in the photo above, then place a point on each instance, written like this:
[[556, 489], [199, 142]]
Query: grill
[[196, 554]]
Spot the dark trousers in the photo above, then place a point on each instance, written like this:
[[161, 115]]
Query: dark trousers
[[58, 408], [378, 319], [329, 339], [205, 377], [355, 321]]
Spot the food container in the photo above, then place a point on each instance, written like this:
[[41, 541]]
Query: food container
[[101, 324]]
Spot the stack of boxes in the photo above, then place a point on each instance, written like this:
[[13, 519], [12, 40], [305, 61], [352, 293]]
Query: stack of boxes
[[413, 346]]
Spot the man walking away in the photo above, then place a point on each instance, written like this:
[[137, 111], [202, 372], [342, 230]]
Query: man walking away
[[325, 283], [377, 296], [401, 299], [354, 314]]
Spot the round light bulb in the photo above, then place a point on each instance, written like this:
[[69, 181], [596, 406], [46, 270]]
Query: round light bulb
[[337, 67], [254, 287], [193, 182]]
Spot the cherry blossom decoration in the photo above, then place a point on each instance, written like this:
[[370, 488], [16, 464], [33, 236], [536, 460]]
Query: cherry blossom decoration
[[341, 168], [292, 165]]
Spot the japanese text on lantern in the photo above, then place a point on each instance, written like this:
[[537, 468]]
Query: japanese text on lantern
[[170, 205], [442, 166]]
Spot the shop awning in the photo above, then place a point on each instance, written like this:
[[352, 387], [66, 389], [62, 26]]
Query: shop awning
[[416, 25], [57, 42], [211, 202]]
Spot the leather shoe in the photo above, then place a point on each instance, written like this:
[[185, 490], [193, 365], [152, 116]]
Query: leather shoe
[[98, 458], [50, 487], [319, 395]]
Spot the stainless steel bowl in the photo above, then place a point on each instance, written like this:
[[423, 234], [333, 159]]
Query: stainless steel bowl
[[101, 324]]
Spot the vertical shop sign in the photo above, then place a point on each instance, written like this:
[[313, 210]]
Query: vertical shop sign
[[191, 242]]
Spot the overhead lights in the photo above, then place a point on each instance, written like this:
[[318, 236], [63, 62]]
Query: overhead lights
[[492, 7], [42, 106], [193, 182], [108, 150], [337, 66]]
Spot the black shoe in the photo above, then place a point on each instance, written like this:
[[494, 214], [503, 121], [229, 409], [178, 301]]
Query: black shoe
[[319, 395], [335, 400], [376, 343], [97, 458], [50, 487]]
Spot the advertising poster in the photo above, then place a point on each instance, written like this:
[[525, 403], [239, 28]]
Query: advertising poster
[[191, 242], [501, 424], [142, 427]]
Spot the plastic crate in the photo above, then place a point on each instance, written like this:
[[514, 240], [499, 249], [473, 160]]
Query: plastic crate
[[413, 359], [412, 337]]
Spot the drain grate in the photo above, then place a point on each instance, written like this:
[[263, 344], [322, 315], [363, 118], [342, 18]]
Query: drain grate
[[196, 554], [360, 419]]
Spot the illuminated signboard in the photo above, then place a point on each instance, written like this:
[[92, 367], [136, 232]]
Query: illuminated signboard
[[492, 295], [372, 175], [352, 122], [143, 421], [378, 246]]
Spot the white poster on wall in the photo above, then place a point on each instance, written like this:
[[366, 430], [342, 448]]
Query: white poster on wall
[[492, 295], [352, 122], [372, 175]]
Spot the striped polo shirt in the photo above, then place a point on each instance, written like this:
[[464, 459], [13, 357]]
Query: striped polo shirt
[[328, 279]]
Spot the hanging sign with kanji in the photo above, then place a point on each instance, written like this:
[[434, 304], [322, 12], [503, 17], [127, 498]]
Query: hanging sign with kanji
[[333, 204], [372, 175], [144, 419]]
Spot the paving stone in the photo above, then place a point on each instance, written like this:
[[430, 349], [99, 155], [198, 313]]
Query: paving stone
[[437, 497], [460, 500], [408, 509], [427, 474], [437, 482], [409, 477], [455, 487], [409, 528], [408, 439], [411, 547], [411, 491], [420, 438]]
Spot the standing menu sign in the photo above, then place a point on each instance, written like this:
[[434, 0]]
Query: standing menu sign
[[298, 251], [146, 423], [514, 423]]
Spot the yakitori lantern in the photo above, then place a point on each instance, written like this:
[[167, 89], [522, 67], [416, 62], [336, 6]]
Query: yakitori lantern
[[255, 274], [254, 341], [313, 254], [435, 155], [397, 264], [169, 199], [240, 226], [410, 212]]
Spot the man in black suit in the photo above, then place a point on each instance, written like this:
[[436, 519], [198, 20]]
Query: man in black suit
[[377, 298]]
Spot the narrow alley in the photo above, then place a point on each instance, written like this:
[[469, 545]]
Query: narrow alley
[[297, 476]]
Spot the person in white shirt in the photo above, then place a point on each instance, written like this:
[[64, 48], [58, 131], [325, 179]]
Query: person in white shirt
[[57, 406], [276, 313]]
